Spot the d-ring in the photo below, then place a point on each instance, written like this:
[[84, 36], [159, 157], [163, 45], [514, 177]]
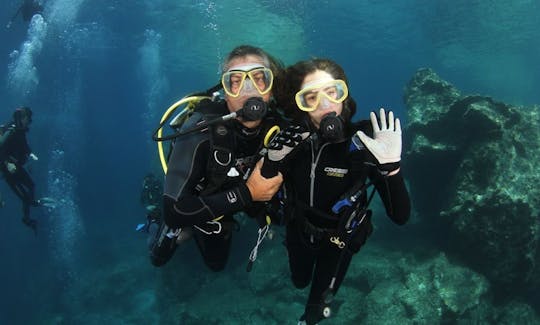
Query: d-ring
[[219, 162]]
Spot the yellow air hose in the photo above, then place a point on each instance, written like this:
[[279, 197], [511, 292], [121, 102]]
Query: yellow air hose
[[191, 101]]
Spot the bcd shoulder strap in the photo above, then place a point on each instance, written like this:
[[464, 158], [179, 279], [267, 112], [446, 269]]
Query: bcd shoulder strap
[[221, 156]]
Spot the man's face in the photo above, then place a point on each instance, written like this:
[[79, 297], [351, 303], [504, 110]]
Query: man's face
[[236, 103]]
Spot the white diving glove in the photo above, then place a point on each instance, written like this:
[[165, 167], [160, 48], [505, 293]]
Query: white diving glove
[[33, 156], [386, 142]]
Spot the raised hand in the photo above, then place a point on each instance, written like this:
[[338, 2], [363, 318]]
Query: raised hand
[[386, 142]]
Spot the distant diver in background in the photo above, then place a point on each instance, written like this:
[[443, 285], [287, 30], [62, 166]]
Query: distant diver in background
[[27, 10], [151, 198], [14, 153]]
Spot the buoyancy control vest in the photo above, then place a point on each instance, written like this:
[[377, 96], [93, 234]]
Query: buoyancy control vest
[[229, 145]]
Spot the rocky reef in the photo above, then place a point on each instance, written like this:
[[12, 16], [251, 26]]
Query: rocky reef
[[383, 286], [473, 169], [470, 163]]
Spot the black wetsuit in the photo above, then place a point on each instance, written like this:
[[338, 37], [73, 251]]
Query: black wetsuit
[[206, 180], [312, 257], [16, 150]]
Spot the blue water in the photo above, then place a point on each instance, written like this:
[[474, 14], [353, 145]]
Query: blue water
[[98, 74]]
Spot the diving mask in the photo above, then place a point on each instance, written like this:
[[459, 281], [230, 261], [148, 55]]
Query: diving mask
[[309, 97], [259, 78]]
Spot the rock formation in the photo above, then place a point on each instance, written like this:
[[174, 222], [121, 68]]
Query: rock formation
[[473, 170]]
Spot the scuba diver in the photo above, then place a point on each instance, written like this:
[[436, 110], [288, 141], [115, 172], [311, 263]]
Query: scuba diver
[[214, 169], [14, 153], [151, 198], [328, 179], [27, 10]]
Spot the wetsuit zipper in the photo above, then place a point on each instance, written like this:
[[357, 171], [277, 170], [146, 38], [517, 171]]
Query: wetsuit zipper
[[314, 163]]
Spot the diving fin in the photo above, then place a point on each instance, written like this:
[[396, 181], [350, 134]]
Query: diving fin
[[140, 227], [47, 202]]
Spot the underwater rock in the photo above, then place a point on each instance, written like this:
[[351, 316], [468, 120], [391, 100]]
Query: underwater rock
[[270, 271], [458, 288], [426, 290], [472, 167], [437, 288], [517, 313], [383, 305]]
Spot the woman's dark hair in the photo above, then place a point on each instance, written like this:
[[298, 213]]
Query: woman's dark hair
[[294, 76]]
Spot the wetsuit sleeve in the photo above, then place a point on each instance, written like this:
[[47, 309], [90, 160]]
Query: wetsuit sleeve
[[15, 148], [193, 209], [183, 204], [394, 196], [5, 134], [391, 189], [26, 150], [3, 155]]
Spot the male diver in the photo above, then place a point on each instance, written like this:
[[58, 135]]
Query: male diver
[[14, 153], [215, 172]]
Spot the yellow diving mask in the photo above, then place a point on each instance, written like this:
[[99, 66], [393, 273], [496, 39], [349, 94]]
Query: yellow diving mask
[[234, 81], [309, 97]]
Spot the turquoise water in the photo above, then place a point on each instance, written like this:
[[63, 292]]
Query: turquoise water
[[98, 74]]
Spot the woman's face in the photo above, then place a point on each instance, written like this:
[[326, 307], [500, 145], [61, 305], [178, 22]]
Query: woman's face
[[236, 103], [324, 105]]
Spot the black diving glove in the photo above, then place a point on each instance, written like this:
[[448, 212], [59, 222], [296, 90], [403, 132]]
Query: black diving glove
[[280, 146]]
